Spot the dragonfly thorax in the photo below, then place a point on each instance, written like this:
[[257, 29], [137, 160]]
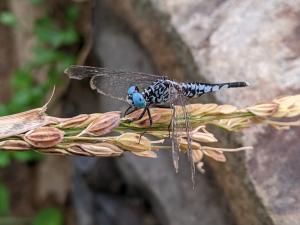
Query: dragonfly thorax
[[158, 92]]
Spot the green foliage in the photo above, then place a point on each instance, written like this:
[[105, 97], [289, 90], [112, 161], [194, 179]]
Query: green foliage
[[72, 14], [49, 58], [37, 2], [50, 34], [8, 19], [27, 156], [4, 200], [4, 159], [48, 216]]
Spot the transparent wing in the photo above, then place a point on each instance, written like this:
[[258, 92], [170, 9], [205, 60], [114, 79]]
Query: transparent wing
[[178, 99], [175, 133], [186, 128], [113, 83]]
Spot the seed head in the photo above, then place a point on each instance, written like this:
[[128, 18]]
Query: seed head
[[15, 145], [147, 154], [102, 125], [133, 142], [158, 115], [202, 136], [215, 154], [44, 137], [185, 146], [197, 156], [74, 122], [97, 149], [289, 106], [263, 110]]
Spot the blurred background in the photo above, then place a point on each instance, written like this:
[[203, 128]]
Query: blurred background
[[213, 41]]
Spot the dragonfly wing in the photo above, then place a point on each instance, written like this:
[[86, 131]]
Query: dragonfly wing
[[178, 99], [112, 83], [187, 128], [175, 134]]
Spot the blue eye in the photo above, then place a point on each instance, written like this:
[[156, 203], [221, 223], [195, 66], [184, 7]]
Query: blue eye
[[132, 90], [138, 100]]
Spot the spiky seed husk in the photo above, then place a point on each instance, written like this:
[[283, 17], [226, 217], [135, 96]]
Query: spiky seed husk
[[183, 142], [147, 154], [97, 149], [15, 145], [74, 122], [133, 142], [263, 110], [215, 154], [44, 137], [104, 124], [197, 156]]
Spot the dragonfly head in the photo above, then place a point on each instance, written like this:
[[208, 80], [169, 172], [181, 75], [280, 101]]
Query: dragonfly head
[[138, 100], [132, 89], [135, 98]]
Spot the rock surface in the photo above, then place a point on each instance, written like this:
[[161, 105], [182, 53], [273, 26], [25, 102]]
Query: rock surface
[[252, 40], [171, 196], [215, 41]]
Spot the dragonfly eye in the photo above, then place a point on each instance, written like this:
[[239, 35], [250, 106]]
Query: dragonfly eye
[[138, 100], [132, 89]]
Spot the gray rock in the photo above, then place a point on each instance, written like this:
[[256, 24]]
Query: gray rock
[[252, 40], [171, 195]]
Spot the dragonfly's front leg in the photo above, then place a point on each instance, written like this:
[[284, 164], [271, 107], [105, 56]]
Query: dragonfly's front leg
[[143, 113], [127, 110], [150, 120], [149, 115], [146, 109]]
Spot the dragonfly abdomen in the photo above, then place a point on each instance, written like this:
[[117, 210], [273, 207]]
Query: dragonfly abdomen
[[158, 92], [195, 89]]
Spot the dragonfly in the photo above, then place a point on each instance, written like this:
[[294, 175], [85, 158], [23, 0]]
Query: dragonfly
[[142, 90]]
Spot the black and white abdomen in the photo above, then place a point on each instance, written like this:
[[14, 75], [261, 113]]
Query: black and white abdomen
[[159, 91], [196, 89]]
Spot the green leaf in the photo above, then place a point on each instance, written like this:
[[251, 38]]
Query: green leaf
[[3, 110], [22, 79], [20, 101], [72, 13], [48, 216], [27, 156], [37, 2], [69, 36], [8, 18], [4, 158], [4, 200], [45, 56], [50, 34]]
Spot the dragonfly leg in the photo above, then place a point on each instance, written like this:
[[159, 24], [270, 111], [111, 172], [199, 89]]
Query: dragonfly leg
[[150, 120], [127, 111], [142, 114], [149, 115], [169, 127]]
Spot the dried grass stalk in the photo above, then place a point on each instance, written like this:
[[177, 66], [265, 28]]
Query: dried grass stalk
[[85, 134]]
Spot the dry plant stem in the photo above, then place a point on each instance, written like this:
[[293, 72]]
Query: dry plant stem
[[85, 134]]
